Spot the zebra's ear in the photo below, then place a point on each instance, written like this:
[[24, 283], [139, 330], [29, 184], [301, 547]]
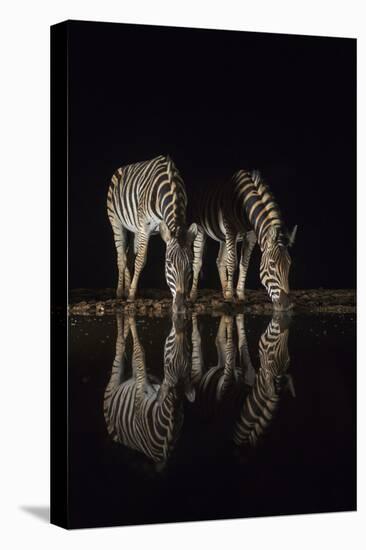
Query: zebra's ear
[[290, 385], [190, 393], [292, 235], [165, 232], [192, 233]]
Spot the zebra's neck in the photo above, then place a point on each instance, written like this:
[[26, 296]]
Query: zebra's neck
[[256, 200], [168, 420], [171, 199]]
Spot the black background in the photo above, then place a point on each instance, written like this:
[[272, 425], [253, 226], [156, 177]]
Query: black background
[[216, 101]]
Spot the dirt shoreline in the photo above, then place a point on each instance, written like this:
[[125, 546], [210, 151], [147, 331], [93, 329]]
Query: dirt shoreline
[[158, 302]]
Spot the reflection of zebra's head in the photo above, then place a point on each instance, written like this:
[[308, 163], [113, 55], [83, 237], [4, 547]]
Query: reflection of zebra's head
[[275, 266], [178, 264], [177, 361], [274, 355]]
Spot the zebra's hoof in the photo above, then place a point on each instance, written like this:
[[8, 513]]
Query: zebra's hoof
[[192, 297], [120, 293], [240, 296]]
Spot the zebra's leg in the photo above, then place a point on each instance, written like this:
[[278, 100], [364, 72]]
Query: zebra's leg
[[142, 241], [198, 248], [231, 263], [130, 263], [221, 266], [245, 362], [249, 240], [120, 241]]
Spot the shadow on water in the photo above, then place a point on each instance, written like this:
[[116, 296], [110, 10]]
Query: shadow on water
[[40, 512], [216, 417]]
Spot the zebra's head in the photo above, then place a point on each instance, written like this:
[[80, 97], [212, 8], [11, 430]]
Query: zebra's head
[[178, 264], [275, 266]]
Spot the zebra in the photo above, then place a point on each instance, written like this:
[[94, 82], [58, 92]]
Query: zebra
[[263, 400], [140, 414], [145, 198], [245, 211]]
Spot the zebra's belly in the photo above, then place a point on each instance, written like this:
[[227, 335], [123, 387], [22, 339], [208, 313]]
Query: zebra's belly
[[215, 231], [214, 226], [150, 226], [219, 235]]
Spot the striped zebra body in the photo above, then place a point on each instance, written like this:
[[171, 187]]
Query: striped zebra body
[[245, 211], [145, 198], [147, 417], [262, 402]]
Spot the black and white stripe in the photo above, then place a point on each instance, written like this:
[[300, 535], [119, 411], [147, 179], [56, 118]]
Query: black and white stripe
[[262, 402], [142, 415], [245, 211], [143, 199]]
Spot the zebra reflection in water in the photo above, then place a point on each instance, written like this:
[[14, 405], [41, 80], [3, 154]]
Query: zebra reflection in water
[[263, 400], [140, 414], [233, 388]]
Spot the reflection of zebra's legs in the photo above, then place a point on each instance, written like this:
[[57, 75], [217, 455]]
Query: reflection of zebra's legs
[[138, 365], [230, 348], [247, 246], [120, 240], [226, 353], [198, 248], [220, 342], [142, 241], [118, 369], [221, 266], [244, 357], [197, 359]]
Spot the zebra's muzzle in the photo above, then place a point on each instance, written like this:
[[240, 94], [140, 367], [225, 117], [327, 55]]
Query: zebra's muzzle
[[179, 305], [283, 303]]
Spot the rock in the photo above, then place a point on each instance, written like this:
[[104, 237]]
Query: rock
[[103, 302]]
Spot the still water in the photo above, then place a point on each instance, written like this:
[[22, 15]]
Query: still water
[[215, 417]]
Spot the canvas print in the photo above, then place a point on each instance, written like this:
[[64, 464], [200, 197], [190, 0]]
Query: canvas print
[[203, 274]]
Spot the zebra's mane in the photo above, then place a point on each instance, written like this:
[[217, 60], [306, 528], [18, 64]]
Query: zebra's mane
[[266, 197], [176, 222]]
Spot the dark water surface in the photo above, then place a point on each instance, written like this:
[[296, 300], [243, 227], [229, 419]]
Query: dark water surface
[[277, 436]]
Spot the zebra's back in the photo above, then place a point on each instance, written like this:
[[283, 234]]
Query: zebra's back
[[222, 206], [243, 203], [146, 193]]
